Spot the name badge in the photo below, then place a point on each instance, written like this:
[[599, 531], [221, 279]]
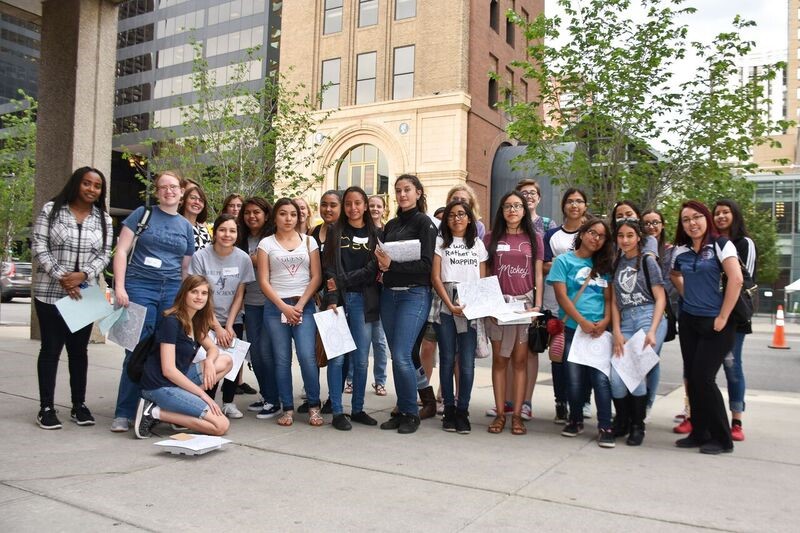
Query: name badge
[[601, 282], [231, 271], [154, 262], [360, 240], [503, 247]]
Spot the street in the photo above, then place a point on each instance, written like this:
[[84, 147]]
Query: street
[[17, 312]]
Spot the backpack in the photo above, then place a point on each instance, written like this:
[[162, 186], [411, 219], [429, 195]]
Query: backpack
[[743, 310], [139, 357]]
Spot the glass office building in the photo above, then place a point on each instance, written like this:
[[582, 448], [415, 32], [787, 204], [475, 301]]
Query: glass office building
[[19, 57]]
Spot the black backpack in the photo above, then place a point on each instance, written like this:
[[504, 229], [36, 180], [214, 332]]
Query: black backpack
[[139, 357]]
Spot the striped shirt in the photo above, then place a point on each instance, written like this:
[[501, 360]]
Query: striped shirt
[[64, 247]]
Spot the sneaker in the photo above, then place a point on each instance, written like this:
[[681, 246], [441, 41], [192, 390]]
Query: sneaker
[[737, 433], [327, 407], [562, 413], [684, 427], [393, 422], [256, 406], [245, 388], [449, 419], [527, 412], [680, 417], [463, 427], [572, 429], [714, 448], [408, 424], [47, 418], [687, 442], [363, 418], [269, 411], [145, 421], [605, 438], [120, 424], [508, 410], [341, 422], [81, 415], [587, 411], [231, 411]]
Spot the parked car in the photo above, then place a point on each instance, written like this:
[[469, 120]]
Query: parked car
[[15, 280]]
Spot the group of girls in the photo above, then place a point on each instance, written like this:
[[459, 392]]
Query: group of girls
[[261, 260]]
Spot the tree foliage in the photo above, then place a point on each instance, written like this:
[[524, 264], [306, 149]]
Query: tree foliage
[[17, 173], [608, 86], [238, 135]]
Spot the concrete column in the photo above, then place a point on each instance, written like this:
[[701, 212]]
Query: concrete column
[[76, 93]]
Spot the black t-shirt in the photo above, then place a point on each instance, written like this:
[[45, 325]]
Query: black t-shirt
[[169, 332], [354, 246]]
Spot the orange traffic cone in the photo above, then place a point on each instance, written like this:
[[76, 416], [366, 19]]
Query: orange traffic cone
[[778, 338]]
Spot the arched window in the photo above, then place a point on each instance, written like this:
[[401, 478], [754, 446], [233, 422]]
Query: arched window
[[363, 166]]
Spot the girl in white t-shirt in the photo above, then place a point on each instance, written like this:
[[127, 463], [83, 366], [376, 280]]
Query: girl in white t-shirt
[[289, 274], [460, 256]]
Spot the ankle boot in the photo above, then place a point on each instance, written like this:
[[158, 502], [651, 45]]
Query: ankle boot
[[449, 419], [622, 416], [638, 413], [428, 398]]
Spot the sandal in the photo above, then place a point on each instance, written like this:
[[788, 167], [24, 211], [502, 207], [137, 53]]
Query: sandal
[[286, 419], [517, 425], [314, 417], [497, 425], [348, 388], [380, 389]]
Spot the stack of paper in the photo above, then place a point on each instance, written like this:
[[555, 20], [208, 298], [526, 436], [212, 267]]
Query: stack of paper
[[183, 444]]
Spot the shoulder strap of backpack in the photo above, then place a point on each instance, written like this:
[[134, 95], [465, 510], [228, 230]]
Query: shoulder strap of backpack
[[143, 223]]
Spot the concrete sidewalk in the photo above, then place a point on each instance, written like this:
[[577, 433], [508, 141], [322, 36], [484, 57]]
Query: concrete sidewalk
[[320, 479]]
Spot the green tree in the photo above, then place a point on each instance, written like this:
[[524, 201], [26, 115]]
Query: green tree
[[17, 172], [607, 85], [239, 136]]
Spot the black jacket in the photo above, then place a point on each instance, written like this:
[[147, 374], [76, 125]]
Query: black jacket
[[409, 225]]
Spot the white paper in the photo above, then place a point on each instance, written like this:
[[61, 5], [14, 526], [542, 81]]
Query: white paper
[[402, 251], [481, 298], [237, 353], [80, 313], [105, 324], [591, 351], [635, 362], [334, 332], [197, 445], [126, 330]]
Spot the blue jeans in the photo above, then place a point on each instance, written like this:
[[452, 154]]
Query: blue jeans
[[632, 320], [452, 343], [359, 358], [403, 313], [304, 336], [583, 379], [177, 400], [380, 354], [157, 296], [261, 354], [734, 373]]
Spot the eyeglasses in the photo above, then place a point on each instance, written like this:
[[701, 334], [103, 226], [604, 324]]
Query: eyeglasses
[[164, 188], [512, 207], [593, 234], [694, 218], [457, 216], [575, 202], [652, 224], [193, 198], [531, 194]]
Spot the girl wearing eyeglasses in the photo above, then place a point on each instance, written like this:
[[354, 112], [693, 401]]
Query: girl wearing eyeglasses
[[194, 208], [515, 253], [159, 259]]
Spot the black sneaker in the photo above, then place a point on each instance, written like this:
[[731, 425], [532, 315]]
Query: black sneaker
[[714, 448], [303, 407], [449, 418], [463, 426], [341, 422], [393, 422], [244, 388], [561, 413], [572, 429], [363, 418], [408, 424], [268, 411], [144, 421], [256, 406], [327, 408], [688, 442], [47, 418], [81, 415], [605, 438]]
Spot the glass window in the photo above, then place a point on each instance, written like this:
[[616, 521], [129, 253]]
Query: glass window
[[403, 78], [492, 92], [510, 28], [330, 83], [333, 17], [494, 15], [509, 89], [405, 9], [367, 13], [365, 78], [364, 166]]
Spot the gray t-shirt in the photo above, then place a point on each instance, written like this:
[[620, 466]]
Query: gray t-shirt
[[630, 284], [252, 291], [224, 275]]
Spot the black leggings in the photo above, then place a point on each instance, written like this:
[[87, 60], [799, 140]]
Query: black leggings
[[55, 335], [228, 386], [703, 351]]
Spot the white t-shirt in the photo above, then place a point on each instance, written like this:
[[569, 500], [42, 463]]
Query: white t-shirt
[[289, 270], [460, 263]]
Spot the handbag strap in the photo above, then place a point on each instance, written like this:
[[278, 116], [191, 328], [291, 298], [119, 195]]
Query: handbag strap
[[580, 291]]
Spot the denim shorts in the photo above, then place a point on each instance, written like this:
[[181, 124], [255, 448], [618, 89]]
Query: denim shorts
[[177, 400]]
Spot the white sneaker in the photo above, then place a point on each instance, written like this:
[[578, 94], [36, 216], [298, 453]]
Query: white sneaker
[[587, 410], [231, 411], [527, 412], [120, 425]]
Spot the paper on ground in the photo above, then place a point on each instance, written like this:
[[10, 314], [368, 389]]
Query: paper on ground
[[483, 297], [237, 353], [127, 329], [80, 313], [635, 362], [590, 351], [334, 332], [402, 251], [198, 443]]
